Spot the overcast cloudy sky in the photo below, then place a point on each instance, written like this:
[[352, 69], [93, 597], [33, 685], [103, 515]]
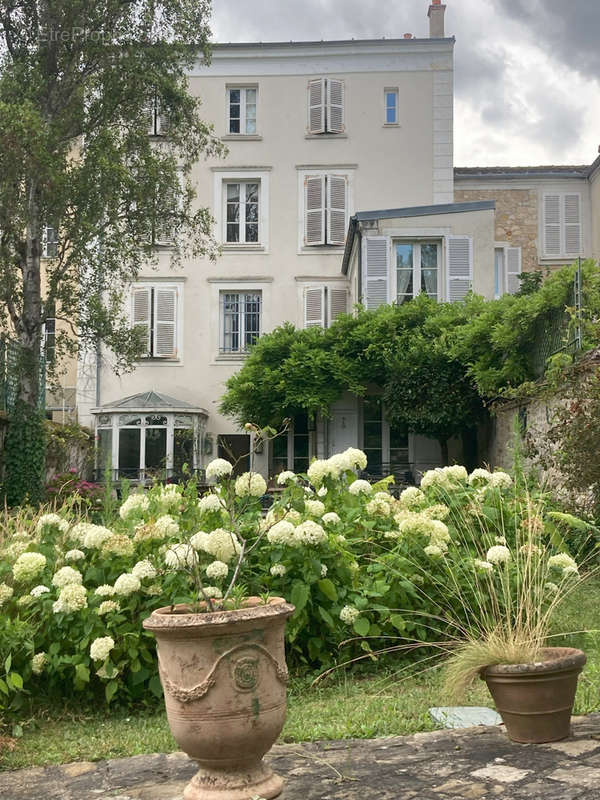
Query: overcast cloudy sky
[[527, 80]]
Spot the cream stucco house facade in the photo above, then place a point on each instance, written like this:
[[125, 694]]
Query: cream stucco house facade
[[318, 133]]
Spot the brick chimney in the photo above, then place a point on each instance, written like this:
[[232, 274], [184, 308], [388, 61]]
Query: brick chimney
[[436, 19]]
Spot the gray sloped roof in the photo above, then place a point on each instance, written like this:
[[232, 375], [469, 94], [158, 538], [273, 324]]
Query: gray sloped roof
[[150, 401]]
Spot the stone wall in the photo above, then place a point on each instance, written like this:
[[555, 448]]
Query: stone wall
[[516, 218]]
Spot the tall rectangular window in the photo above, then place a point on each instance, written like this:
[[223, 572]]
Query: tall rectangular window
[[417, 266], [50, 241], [373, 433], [325, 209], [325, 106], [154, 314], [391, 106], [240, 320], [241, 212], [242, 110]]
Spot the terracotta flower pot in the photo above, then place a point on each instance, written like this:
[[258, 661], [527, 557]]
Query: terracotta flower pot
[[224, 679], [535, 700]]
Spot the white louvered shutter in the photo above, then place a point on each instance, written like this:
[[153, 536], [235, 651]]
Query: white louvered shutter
[[336, 209], [513, 269], [165, 322], [162, 122], [551, 224], [316, 105], [459, 266], [337, 300], [314, 209], [335, 106], [140, 302], [572, 212], [314, 307], [149, 116], [375, 271]]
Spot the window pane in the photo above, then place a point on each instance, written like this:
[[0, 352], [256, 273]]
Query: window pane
[[429, 256], [233, 232], [104, 452], [250, 97], [183, 449], [156, 448], [234, 96], [234, 125], [233, 192], [252, 232], [252, 193], [404, 255], [429, 282], [129, 451], [279, 454]]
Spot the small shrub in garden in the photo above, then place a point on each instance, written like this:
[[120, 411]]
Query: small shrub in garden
[[363, 569]]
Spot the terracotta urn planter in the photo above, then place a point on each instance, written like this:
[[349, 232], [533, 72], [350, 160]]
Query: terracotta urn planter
[[224, 678], [535, 700]]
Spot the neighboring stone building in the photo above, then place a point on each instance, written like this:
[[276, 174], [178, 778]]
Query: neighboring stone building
[[546, 216]]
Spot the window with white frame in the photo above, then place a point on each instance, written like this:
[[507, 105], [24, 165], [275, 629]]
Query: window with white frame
[[323, 305], [507, 269], [50, 241], [240, 320], [155, 311], [158, 123], [241, 212], [242, 110], [391, 106], [562, 229], [417, 269], [325, 209], [325, 106]]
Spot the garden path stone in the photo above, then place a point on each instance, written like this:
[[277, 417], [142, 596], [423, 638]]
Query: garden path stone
[[461, 764]]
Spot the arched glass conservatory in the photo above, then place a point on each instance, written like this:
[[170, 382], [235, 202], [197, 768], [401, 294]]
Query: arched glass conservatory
[[149, 435]]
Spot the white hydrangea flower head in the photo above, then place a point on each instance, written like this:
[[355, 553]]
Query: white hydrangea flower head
[[210, 502], [38, 663], [412, 497], [385, 497], [282, 533], [105, 590], [341, 538], [349, 614], [135, 506], [95, 536], [6, 592], [107, 607], [199, 541], [480, 476], [570, 572], [144, 569], [78, 531], [278, 570], [181, 556], [28, 566], [433, 551], [293, 516], [561, 560], [218, 468], [378, 507], [321, 469], [38, 591], [435, 477], [154, 590], [285, 477], [331, 518], [436, 511], [101, 647], [360, 487], [15, 549], [500, 480], [322, 491], [65, 576], [25, 600], [314, 507], [356, 458], [169, 496], [551, 588], [217, 570], [127, 584], [165, 526], [439, 532], [250, 484], [221, 544], [72, 597], [52, 521], [323, 570], [119, 544], [416, 525], [74, 555], [456, 473], [338, 463], [484, 566], [310, 533], [498, 554], [213, 592]]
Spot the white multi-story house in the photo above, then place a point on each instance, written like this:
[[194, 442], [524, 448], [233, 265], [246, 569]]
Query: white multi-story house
[[319, 134]]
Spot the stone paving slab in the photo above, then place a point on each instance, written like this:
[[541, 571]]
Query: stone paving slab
[[468, 764]]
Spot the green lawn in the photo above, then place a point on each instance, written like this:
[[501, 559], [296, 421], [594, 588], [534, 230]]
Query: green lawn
[[341, 707]]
